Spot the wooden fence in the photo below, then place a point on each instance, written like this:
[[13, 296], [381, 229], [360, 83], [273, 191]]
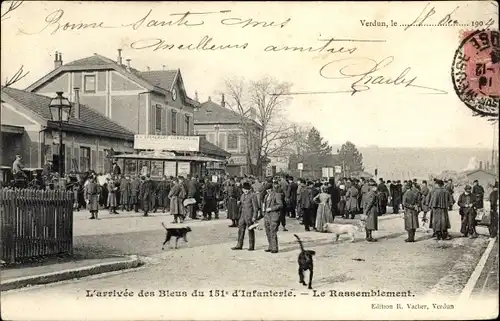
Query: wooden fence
[[35, 223]]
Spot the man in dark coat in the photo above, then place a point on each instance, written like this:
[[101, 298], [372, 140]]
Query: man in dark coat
[[125, 189], [92, 191], [146, 194], [451, 190], [440, 200], [411, 204], [162, 191], [292, 197], [134, 193], [467, 209], [370, 208], [209, 195], [493, 228], [249, 210], [192, 191], [383, 194], [116, 169], [306, 204], [478, 192], [283, 188], [334, 192]]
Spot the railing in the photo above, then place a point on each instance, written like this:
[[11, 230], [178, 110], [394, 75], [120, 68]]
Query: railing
[[35, 223]]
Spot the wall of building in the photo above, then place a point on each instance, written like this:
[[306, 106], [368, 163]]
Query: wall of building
[[221, 136], [125, 102]]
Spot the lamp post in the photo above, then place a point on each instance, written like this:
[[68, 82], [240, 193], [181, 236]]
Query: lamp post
[[60, 109]]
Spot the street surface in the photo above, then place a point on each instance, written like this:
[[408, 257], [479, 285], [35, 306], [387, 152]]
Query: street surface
[[207, 263]]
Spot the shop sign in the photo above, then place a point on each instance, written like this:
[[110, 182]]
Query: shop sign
[[184, 169], [237, 160], [167, 142]]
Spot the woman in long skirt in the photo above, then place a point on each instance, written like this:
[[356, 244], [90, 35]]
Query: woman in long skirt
[[324, 213]]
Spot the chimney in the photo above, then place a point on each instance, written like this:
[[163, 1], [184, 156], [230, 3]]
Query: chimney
[[119, 60], [58, 60], [223, 102], [209, 98], [196, 96], [163, 67], [481, 165], [77, 102], [128, 64]]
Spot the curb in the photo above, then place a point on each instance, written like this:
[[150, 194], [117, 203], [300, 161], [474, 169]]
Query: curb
[[69, 274], [452, 284]]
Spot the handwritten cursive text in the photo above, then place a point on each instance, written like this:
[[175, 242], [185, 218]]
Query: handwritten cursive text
[[205, 44], [365, 72]]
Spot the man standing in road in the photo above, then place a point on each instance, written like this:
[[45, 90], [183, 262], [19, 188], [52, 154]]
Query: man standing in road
[[411, 204], [440, 203], [478, 192], [146, 194], [92, 191], [192, 190], [451, 190], [383, 194], [292, 197], [467, 202], [272, 206], [134, 193], [249, 214], [125, 188], [370, 208]]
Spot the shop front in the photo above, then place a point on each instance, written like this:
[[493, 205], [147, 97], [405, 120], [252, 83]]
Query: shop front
[[161, 155]]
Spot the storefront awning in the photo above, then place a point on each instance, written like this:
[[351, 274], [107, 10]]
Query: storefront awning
[[168, 158]]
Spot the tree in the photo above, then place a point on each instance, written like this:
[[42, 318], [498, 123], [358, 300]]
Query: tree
[[20, 74], [351, 158], [260, 106], [316, 145]]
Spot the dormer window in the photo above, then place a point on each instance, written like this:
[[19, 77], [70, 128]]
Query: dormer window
[[89, 84]]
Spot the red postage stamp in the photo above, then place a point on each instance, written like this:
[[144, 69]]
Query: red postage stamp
[[476, 71]]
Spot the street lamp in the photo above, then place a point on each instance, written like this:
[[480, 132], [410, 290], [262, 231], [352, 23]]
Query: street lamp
[[60, 109]]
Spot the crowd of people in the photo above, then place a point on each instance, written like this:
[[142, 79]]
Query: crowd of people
[[247, 200]]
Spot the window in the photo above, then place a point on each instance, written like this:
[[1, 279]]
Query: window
[[130, 167], [187, 125], [174, 122], [84, 159], [232, 141], [158, 118], [89, 83], [210, 138], [243, 145]]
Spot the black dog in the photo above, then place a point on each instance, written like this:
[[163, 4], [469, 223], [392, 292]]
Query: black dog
[[305, 261], [177, 232]]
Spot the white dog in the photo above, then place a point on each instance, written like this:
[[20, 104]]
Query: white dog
[[339, 229]]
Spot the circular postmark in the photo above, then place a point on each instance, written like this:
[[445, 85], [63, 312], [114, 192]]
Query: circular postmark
[[476, 71]]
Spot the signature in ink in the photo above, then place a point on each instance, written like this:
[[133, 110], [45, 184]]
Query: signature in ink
[[366, 72]]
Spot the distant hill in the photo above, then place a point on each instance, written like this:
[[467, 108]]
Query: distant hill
[[401, 163]]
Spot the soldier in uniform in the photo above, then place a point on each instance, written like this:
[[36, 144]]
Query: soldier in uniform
[[134, 193], [92, 191], [439, 203], [370, 208], [125, 190], [272, 206], [411, 204], [232, 194], [249, 212], [383, 194], [209, 195]]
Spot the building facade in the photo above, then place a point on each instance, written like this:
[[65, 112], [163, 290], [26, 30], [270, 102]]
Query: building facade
[[144, 102], [88, 137], [222, 127]]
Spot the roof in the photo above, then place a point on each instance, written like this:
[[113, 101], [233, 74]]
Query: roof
[[90, 119], [212, 113], [479, 170], [160, 81], [207, 147]]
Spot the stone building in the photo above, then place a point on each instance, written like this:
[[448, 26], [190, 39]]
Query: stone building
[[27, 130]]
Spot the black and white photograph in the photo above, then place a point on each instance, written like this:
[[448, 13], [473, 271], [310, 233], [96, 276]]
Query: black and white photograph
[[244, 160]]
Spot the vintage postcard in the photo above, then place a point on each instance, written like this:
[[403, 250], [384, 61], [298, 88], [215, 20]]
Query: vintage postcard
[[249, 160]]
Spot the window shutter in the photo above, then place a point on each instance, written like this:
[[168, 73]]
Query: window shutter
[[92, 159], [180, 124], [76, 156], [222, 140], [243, 144], [168, 121], [100, 164]]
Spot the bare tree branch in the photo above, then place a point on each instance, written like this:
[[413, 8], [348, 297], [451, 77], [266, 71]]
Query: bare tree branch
[[260, 105], [20, 74], [9, 7]]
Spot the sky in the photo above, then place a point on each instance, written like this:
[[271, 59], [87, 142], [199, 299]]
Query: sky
[[385, 115]]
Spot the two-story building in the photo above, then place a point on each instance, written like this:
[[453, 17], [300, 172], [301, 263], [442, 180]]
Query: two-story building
[[151, 103], [222, 127], [27, 130]]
